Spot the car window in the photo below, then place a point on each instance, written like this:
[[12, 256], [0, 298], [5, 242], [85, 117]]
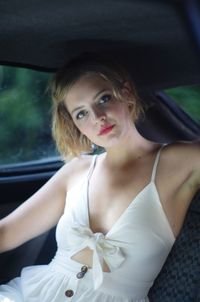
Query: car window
[[25, 116], [188, 98]]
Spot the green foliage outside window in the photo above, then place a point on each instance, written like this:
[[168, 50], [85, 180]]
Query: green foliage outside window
[[188, 98], [25, 115]]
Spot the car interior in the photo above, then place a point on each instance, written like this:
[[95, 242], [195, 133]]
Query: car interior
[[159, 43]]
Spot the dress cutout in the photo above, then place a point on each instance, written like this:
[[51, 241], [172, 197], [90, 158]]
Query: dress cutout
[[135, 249]]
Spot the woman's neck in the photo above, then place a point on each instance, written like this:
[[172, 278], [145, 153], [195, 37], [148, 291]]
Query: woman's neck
[[132, 147]]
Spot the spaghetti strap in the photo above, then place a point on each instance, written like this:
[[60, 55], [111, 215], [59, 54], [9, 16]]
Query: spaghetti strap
[[156, 163], [92, 166]]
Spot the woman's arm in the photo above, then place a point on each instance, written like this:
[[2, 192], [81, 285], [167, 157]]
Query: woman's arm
[[195, 162], [188, 156], [40, 212]]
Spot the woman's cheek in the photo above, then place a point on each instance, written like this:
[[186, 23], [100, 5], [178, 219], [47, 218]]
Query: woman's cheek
[[85, 128], [78, 126]]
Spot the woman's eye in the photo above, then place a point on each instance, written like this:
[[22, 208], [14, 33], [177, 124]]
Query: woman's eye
[[81, 114], [105, 98]]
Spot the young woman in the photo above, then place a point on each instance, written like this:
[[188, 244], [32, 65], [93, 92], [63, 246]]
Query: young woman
[[117, 213]]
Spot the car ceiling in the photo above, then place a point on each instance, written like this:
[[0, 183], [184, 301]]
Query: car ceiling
[[153, 38]]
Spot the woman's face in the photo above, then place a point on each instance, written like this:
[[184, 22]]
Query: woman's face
[[97, 113]]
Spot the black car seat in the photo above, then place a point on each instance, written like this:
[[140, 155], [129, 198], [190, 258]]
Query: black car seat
[[179, 279]]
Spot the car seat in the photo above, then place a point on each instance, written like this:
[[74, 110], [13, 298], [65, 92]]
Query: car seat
[[179, 279]]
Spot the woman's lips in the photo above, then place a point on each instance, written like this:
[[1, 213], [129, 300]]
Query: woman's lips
[[106, 130]]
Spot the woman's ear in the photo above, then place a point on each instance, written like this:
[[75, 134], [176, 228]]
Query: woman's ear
[[127, 93], [126, 89]]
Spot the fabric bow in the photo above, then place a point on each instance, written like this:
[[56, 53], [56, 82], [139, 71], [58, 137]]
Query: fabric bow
[[103, 248]]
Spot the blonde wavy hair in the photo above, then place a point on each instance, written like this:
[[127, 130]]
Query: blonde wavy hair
[[69, 140]]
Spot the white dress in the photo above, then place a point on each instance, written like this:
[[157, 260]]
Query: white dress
[[135, 249]]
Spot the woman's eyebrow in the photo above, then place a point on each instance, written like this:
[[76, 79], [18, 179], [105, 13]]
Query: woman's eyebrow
[[96, 95], [78, 108]]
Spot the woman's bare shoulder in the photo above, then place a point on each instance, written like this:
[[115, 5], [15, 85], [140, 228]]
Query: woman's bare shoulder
[[184, 154], [79, 163], [76, 168], [184, 148]]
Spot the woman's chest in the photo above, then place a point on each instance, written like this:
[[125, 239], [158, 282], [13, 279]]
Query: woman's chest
[[109, 199]]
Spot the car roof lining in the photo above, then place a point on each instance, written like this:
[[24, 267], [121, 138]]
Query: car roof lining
[[151, 37]]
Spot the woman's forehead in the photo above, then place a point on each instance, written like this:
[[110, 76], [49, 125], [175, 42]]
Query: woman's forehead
[[85, 89], [91, 80]]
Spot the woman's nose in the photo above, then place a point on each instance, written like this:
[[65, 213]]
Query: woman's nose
[[98, 115]]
